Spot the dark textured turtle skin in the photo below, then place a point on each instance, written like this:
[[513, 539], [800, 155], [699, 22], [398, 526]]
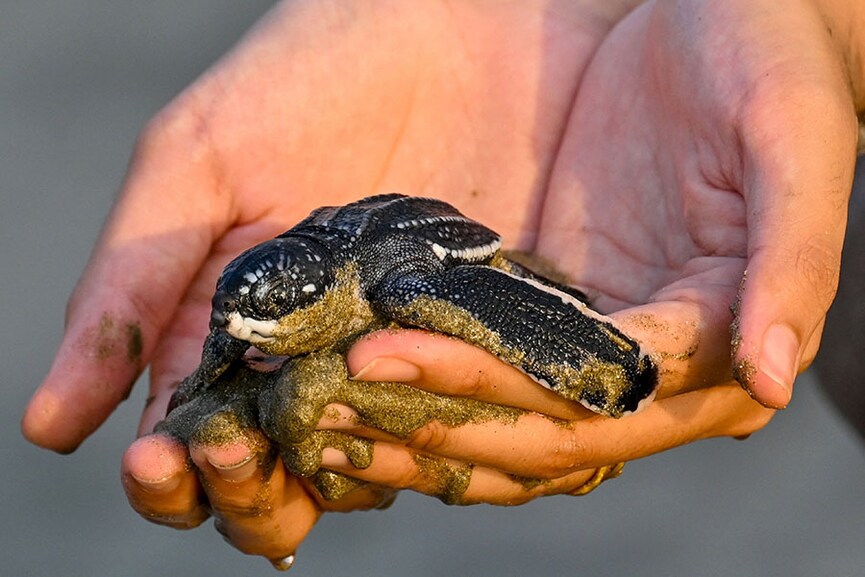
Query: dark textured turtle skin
[[346, 270]]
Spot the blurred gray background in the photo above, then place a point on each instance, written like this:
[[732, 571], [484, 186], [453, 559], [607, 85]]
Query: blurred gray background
[[77, 81]]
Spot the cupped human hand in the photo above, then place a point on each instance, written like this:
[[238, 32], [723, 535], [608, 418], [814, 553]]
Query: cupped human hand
[[728, 165], [699, 195], [258, 507], [321, 103], [555, 447], [654, 164]]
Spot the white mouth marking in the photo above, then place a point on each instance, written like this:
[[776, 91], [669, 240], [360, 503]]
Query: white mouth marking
[[248, 329]]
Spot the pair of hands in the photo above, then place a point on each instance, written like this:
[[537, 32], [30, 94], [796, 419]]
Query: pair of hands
[[653, 153]]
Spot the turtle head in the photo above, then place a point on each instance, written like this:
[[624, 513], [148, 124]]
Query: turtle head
[[265, 284]]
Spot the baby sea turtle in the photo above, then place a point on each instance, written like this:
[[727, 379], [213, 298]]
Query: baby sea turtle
[[347, 270]]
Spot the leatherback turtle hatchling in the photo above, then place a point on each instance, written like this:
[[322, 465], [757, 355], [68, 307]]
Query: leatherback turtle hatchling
[[346, 270]]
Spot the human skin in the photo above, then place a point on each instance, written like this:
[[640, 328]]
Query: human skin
[[653, 155]]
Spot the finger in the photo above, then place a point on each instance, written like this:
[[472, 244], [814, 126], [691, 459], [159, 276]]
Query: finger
[[448, 366], [178, 352], [796, 185], [259, 509], [538, 447], [365, 497], [496, 488], [686, 326], [721, 411], [159, 232], [453, 482], [155, 407], [160, 485], [339, 417]]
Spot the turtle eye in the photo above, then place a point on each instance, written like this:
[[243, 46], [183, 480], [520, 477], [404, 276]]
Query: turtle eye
[[279, 297], [275, 301]]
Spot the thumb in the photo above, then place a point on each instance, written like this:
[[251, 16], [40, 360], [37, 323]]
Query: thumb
[[154, 241], [798, 172]]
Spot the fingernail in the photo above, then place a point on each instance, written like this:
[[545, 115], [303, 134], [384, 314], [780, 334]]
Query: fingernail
[[331, 457], [159, 486], [388, 369], [779, 358], [237, 472]]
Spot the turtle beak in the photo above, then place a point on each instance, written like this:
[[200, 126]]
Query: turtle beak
[[217, 319], [223, 303]]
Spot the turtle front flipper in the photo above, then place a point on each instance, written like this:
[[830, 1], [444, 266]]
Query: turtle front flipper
[[550, 335], [220, 351], [520, 270]]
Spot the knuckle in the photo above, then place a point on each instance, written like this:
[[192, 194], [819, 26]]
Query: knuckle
[[181, 124], [430, 438], [475, 381], [566, 454], [142, 310], [817, 268], [408, 478], [471, 381]]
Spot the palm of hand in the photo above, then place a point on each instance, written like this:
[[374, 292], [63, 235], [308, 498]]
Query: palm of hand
[[645, 202], [681, 166], [430, 110], [626, 195]]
